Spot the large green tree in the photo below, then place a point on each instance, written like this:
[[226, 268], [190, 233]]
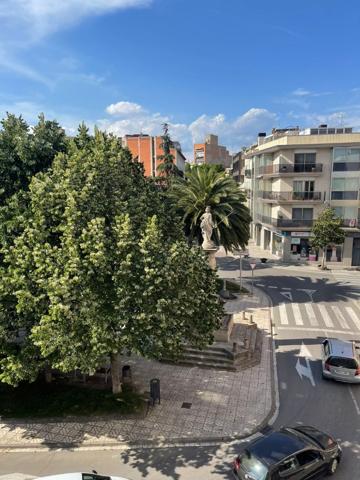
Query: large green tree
[[204, 186], [327, 231], [167, 167], [101, 267], [25, 152]]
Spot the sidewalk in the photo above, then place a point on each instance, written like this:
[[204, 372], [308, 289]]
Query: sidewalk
[[221, 405]]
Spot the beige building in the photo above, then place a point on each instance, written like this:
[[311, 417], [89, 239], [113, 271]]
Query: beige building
[[291, 176], [211, 152]]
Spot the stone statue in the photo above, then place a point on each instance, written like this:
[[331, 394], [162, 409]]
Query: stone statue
[[207, 225]]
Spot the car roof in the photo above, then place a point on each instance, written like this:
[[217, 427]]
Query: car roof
[[73, 476], [341, 348], [277, 446]]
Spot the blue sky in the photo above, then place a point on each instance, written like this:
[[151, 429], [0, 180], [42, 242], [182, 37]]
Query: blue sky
[[229, 67]]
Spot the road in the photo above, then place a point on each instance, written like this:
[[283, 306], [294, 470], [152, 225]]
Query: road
[[306, 308]]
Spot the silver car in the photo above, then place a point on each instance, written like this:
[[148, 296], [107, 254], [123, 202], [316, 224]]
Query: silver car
[[340, 360]]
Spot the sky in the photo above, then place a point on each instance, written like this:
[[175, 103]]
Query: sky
[[229, 67]]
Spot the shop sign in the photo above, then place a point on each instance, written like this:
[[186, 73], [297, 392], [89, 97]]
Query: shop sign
[[295, 241], [301, 234]]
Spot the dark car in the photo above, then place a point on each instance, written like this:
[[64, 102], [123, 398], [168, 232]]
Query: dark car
[[295, 453]]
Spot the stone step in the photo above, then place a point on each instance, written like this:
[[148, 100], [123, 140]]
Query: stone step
[[207, 358], [207, 352], [206, 364]]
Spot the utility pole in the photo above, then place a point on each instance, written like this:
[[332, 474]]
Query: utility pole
[[252, 266]]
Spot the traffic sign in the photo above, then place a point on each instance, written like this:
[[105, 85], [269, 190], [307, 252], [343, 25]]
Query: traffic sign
[[252, 265]]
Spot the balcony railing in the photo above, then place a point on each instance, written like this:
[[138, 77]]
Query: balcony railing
[[350, 222], [284, 168], [285, 222], [290, 196], [345, 195]]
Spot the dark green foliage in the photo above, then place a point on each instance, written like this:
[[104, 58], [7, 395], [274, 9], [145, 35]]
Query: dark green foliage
[[204, 186]]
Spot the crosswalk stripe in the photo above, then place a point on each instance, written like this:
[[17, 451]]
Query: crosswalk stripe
[[283, 315], [325, 315], [340, 317], [311, 314], [354, 316], [297, 314]]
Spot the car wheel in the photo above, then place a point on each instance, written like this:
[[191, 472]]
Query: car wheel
[[333, 466]]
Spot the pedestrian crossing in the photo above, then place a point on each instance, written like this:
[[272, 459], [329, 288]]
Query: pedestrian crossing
[[318, 316], [350, 277]]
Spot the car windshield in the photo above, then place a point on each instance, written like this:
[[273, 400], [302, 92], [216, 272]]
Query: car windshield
[[321, 438], [343, 362], [256, 469]]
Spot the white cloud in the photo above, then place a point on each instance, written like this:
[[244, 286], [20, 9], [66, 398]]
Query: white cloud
[[124, 108], [43, 17], [301, 92], [232, 133]]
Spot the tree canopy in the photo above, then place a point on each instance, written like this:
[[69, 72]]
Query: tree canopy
[[204, 186], [99, 267], [327, 231]]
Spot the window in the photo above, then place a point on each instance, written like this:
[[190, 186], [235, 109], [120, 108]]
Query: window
[[287, 467], [343, 362], [256, 469], [326, 348], [309, 456], [304, 162], [302, 213], [346, 160], [345, 188]]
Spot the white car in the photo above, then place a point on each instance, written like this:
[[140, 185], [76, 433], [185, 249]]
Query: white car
[[81, 476]]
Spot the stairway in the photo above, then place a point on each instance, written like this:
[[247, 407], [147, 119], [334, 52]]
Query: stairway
[[209, 357]]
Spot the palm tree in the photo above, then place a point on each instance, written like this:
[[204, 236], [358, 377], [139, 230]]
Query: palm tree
[[204, 186]]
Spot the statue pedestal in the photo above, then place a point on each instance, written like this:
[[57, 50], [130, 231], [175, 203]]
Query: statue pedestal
[[210, 252]]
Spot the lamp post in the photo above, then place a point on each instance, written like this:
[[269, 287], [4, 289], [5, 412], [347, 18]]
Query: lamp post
[[252, 266]]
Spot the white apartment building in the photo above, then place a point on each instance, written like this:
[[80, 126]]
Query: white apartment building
[[291, 176]]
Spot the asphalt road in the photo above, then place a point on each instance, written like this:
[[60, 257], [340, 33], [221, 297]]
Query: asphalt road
[[307, 307]]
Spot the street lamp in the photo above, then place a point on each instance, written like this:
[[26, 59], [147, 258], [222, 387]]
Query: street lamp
[[252, 266]]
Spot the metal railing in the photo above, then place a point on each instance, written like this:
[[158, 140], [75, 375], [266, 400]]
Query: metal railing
[[283, 168], [285, 222], [290, 196]]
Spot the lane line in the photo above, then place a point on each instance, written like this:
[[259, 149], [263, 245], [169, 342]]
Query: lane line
[[272, 286], [286, 288], [325, 316], [340, 317], [297, 314], [320, 330], [357, 408], [353, 317], [283, 315], [311, 314], [283, 385], [259, 284]]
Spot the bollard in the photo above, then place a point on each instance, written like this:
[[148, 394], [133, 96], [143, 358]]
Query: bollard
[[251, 319], [155, 390], [243, 315]]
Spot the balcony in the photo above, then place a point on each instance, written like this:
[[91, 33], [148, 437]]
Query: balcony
[[285, 222], [345, 195], [247, 173], [350, 222], [288, 197], [291, 169]]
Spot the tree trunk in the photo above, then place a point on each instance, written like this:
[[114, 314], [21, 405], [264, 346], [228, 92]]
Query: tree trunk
[[115, 372], [48, 374], [323, 258]]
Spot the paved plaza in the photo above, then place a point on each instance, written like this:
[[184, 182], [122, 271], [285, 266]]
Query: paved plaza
[[197, 405]]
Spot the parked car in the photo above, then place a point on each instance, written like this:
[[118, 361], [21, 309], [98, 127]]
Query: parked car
[[340, 361], [80, 476], [298, 452]]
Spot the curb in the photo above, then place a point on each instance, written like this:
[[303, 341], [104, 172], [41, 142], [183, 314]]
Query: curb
[[162, 442]]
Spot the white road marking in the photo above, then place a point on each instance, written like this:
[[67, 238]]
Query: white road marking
[[325, 315], [354, 317], [319, 330], [357, 408], [311, 314], [283, 315], [304, 371], [308, 292], [286, 288], [259, 284], [297, 314], [340, 317], [287, 295], [283, 385], [272, 286]]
